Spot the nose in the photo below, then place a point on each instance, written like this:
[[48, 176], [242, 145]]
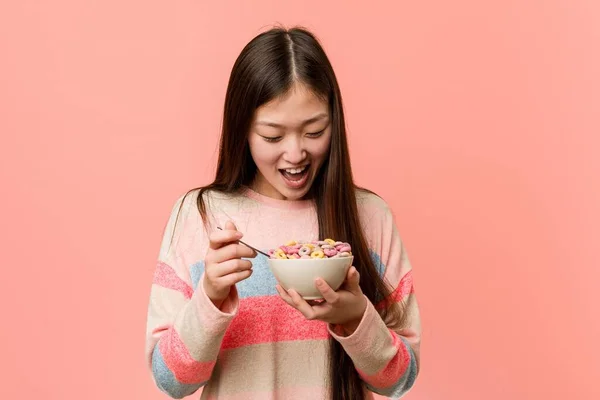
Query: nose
[[294, 152]]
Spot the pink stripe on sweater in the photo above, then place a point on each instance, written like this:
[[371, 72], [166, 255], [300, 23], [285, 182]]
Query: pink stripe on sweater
[[178, 359], [166, 277], [404, 288], [394, 370], [266, 319]]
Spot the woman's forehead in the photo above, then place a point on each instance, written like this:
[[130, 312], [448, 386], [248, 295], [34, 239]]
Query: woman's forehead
[[299, 106]]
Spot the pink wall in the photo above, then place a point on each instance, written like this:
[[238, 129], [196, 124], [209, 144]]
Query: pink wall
[[478, 121]]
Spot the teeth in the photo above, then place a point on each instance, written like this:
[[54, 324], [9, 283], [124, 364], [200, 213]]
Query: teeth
[[295, 170]]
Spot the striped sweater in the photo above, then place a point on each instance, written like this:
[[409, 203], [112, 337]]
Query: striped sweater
[[256, 346]]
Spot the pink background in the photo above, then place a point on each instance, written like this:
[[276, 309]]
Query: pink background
[[478, 121]]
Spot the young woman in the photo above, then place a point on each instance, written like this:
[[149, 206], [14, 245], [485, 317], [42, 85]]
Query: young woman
[[217, 319]]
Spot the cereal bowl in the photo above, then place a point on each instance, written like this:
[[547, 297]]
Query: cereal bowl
[[300, 274]]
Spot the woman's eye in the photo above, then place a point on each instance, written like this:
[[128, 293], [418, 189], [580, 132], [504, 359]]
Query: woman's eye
[[315, 134], [272, 139]]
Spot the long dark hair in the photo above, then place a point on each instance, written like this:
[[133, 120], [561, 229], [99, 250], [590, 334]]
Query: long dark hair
[[266, 68]]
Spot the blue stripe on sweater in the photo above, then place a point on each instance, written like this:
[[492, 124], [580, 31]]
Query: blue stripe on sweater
[[166, 381], [261, 282]]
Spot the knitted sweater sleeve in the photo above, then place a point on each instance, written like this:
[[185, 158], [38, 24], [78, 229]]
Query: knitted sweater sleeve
[[184, 328], [387, 359]]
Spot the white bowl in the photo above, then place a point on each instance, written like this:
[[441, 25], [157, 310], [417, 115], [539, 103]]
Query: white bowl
[[300, 274]]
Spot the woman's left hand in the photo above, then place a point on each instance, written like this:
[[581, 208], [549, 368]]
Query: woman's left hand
[[344, 307]]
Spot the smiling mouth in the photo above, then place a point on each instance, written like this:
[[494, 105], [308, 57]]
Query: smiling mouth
[[295, 177]]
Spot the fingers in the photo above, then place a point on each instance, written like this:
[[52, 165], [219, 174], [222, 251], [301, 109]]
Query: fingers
[[225, 236], [232, 279], [230, 226], [220, 238], [224, 266], [301, 305], [217, 287], [230, 267], [330, 296], [295, 300], [230, 252], [284, 295], [338, 307], [221, 275], [252, 252], [353, 281]]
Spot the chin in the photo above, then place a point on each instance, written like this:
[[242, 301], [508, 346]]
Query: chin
[[293, 194]]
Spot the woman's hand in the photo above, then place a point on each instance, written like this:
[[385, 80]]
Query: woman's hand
[[223, 264], [344, 307]]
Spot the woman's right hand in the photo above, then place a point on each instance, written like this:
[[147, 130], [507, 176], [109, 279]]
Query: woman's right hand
[[223, 264]]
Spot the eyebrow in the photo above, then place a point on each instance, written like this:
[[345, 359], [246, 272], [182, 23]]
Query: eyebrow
[[305, 122]]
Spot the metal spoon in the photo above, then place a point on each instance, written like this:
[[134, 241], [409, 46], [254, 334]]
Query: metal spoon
[[247, 245]]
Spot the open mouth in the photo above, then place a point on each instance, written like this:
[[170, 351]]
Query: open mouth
[[295, 177]]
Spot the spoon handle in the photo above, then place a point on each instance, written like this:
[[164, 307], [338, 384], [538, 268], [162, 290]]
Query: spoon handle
[[247, 245]]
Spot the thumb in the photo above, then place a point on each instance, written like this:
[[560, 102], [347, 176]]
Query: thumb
[[354, 281], [230, 226]]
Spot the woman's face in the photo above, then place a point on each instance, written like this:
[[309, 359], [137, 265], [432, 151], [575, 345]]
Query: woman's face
[[289, 141]]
